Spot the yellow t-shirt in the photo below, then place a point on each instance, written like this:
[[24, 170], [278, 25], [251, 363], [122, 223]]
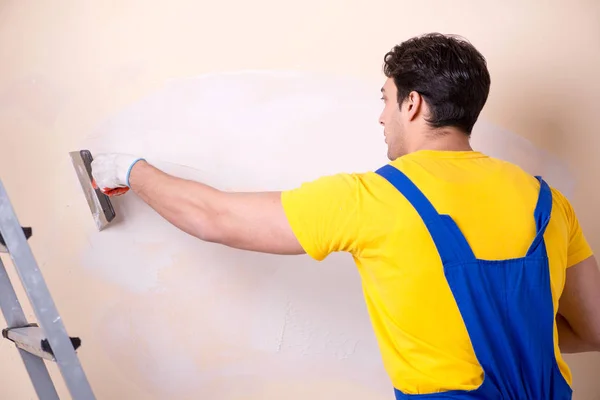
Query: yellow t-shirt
[[423, 341]]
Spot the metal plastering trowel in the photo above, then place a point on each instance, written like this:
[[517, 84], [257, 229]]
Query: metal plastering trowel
[[99, 203]]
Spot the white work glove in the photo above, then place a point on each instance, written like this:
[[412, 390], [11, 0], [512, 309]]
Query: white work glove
[[111, 172]]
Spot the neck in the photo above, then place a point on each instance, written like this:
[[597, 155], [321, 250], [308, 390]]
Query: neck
[[444, 139]]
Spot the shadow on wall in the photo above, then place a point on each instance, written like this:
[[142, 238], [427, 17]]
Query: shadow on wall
[[194, 317]]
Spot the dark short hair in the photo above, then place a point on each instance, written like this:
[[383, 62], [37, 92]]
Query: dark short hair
[[449, 73]]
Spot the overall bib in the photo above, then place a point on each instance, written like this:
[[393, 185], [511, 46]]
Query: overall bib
[[506, 305]]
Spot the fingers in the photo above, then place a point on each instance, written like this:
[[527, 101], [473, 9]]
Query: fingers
[[111, 192], [115, 192]]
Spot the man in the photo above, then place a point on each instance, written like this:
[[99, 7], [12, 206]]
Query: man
[[463, 257]]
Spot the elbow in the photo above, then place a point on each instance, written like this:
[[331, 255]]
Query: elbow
[[591, 341], [594, 341], [577, 340], [591, 337]]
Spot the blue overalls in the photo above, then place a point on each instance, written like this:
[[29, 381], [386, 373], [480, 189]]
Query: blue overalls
[[506, 305]]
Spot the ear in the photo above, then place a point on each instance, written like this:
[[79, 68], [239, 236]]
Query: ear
[[414, 105]]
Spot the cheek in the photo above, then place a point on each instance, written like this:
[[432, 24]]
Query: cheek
[[396, 119], [387, 115]]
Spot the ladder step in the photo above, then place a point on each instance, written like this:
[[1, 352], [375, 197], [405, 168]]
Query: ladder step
[[31, 338]]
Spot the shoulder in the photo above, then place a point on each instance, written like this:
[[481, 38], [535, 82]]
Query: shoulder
[[329, 187], [562, 207], [565, 218], [327, 214], [560, 200], [339, 192]]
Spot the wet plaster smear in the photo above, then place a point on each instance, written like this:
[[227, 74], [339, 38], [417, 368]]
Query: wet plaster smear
[[190, 319]]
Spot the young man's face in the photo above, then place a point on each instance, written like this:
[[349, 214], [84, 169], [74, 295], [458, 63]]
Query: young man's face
[[392, 121], [403, 124]]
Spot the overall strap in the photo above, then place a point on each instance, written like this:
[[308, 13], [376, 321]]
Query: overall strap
[[542, 213], [451, 244]]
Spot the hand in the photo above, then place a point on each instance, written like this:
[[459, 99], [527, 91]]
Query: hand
[[110, 172]]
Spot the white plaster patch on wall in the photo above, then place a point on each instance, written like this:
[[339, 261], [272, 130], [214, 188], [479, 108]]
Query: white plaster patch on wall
[[150, 347], [253, 317], [241, 131], [133, 254], [250, 128], [180, 347], [313, 311]]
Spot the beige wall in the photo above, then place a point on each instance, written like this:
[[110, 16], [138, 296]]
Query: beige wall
[[67, 66]]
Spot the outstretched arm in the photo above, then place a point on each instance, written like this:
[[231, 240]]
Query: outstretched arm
[[249, 221]]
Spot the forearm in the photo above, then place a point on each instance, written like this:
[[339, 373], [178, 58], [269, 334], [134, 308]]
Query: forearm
[[249, 220], [191, 206], [569, 341]]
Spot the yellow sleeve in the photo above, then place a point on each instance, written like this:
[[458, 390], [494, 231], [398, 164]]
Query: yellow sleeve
[[325, 214], [579, 249]]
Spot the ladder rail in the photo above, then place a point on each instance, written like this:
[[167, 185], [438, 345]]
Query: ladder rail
[[43, 305], [40, 377], [14, 316]]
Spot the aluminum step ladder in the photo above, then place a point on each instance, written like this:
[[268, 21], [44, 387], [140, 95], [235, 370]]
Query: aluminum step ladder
[[48, 340]]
